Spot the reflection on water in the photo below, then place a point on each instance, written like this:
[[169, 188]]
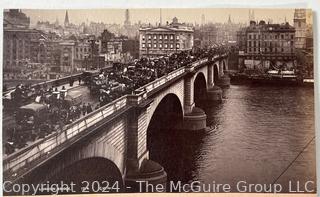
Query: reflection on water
[[259, 132]]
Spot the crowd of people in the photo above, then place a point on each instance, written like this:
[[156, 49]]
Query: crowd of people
[[107, 85], [38, 111], [125, 78]]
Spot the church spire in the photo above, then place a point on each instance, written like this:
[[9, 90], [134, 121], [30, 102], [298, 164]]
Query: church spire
[[229, 20], [66, 19]]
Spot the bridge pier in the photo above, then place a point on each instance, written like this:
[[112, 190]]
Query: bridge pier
[[224, 81], [214, 94], [196, 120], [149, 173]]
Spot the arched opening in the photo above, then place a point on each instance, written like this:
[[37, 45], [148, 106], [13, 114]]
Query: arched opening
[[163, 136], [91, 175], [224, 66], [200, 90], [215, 74]]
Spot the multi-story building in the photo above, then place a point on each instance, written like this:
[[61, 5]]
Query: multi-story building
[[82, 53], [208, 35], [227, 32], [162, 40], [301, 28], [20, 45], [67, 56], [15, 18], [266, 46]]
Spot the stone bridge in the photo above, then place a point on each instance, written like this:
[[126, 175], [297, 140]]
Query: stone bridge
[[112, 143]]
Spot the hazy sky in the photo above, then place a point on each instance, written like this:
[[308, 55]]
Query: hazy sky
[[153, 15]]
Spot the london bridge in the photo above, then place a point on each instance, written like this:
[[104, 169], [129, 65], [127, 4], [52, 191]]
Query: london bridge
[[185, 114]]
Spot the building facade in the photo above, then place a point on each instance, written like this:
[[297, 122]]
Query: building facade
[[300, 25], [207, 34], [266, 46], [20, 45], [67, 56], [15, 18], [163, 40]]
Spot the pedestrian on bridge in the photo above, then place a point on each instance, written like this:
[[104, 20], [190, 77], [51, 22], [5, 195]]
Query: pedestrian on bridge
[[89, 108]]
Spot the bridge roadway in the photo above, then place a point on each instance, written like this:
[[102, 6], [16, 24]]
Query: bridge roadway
[[9, 120], [126, 148]]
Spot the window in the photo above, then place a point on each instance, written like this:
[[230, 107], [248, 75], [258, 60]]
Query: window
[[249, 36], [155, 37], [282, 36], [160, 45], [149, 37], [165, 46], [171, 37], [166, 37], [155, 46], [177, 37], [160, 37], [143, 45], [149, 45], [171, 46], [143, 37], [178, 46]]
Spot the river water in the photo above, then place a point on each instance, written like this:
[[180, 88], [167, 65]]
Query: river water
[[262, 135]]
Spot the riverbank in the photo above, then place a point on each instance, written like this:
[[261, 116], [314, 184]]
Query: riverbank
[[241, 78]]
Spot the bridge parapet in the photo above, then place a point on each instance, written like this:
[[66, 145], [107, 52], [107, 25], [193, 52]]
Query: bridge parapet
[[52, 83], [26, 159], [162, 80]]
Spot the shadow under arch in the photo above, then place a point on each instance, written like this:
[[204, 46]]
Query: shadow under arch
[[167, 116], [224, 66], [215, 74], [200, 90], [91, 175], [163, 135]]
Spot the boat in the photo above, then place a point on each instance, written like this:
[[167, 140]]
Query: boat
[[271, 77], [308, 82]]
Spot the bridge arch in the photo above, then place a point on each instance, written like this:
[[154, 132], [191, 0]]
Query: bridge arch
[[224, 65], [90, 174], [163, 133], [167, 116], [177, 90], [169, 108], [200, 89], [215, 73]]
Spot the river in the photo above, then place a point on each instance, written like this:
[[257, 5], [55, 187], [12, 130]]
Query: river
[[262, 135]]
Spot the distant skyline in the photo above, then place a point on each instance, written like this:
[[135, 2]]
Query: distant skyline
[[152, 15]]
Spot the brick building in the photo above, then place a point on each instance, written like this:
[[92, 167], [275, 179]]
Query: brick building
[[266, 46]]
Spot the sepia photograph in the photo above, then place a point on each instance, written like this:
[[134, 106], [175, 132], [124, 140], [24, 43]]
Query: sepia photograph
[[175, 100]]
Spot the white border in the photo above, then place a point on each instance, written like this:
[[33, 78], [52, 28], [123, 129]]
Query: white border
[[85, 4]]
